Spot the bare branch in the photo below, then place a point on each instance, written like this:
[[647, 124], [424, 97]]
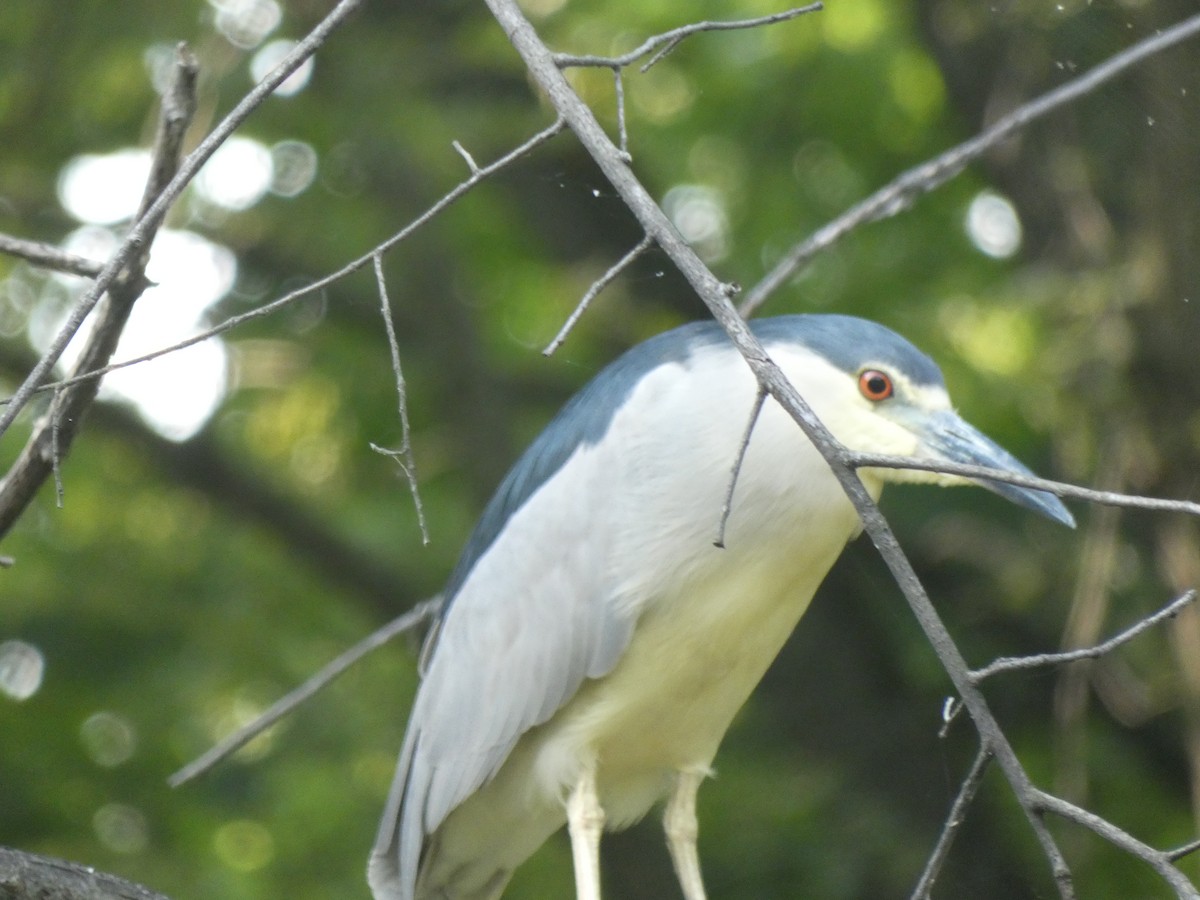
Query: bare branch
[[1180, 852], [899, 194], [47, 256], [140, 235], [404, 454], [470, 160], [715, 295], [424, 610], [1158, 860], [597, 286], [56, 453], [53, 435], [178, 110], [727, 506], [619, 93], [1041, 660], [668, 40], [954, 820], [1062, 489], [291, 297]]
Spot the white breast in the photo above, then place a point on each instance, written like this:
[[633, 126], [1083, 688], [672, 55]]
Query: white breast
[[710, 620]]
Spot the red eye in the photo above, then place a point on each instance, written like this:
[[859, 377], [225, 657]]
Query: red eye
[[875, 385]]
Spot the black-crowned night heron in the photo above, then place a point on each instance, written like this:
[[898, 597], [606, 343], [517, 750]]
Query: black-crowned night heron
[[594, 644]]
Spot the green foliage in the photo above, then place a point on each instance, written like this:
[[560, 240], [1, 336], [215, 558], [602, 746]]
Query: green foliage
[[184, 586]]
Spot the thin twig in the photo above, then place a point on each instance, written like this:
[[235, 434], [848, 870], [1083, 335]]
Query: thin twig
[[900, 193], [137, 241], [275, 305], [673, 37], [1180, 852], [404, 454], [1041, 660], [48, 256], [619, 92], [1061, 489], [321, 679], [467, 157], [56, 448], [662, 53], [954, 820], [727, 507], [597, 286]]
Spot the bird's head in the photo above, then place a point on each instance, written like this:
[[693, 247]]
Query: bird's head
[[877, 393]]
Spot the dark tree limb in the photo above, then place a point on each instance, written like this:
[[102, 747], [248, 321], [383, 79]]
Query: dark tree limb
[[29, 876], [146, 225], [55, 432]]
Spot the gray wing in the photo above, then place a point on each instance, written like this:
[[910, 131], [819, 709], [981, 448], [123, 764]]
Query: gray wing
[[533, 608], [534, 617], [531, 613]]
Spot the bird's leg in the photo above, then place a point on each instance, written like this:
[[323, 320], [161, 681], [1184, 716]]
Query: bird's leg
[[585, 821], [679, 822]]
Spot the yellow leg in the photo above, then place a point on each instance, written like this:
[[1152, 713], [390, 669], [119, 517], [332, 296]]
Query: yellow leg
[[585, 822], [679, 823]]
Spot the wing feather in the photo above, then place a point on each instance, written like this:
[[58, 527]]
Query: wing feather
[[534, 608], [532, 620]]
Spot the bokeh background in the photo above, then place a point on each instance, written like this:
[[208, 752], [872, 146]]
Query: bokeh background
[[227, 528]]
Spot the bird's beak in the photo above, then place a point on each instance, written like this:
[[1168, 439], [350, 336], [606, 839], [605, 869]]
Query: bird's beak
[[944, 435]]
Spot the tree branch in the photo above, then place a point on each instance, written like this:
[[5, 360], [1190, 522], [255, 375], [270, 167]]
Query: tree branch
[[478, 174], [597, 286], [30, 876], [1059, 488], [667, 41], [53, 435], [1041, 660], [1158, 860], [404, 454], [141, 234], [412, 619], [727, 507], [900, 193], [47, 256], [954, 820]]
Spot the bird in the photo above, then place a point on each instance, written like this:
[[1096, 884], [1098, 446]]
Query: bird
[[595, 640]]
